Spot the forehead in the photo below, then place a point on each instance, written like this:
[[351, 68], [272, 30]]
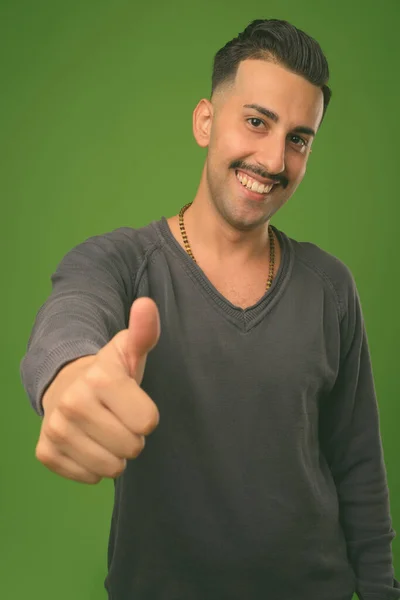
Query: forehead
[[295, 100]]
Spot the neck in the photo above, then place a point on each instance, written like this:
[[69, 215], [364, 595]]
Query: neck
[[210, 235]]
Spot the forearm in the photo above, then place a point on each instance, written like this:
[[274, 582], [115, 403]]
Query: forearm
[[88, 305], [365, 517], [351, 441]]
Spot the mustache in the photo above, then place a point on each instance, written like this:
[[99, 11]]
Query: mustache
[[250, 169]]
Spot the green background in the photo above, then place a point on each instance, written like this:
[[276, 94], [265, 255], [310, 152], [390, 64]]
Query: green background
[[95, 108]]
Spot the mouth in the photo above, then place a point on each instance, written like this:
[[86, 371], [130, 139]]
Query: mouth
[[253, 188]]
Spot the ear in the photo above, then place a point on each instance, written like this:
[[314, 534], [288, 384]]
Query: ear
[[202, 121]]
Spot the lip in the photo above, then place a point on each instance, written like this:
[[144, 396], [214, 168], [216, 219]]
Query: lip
[[253, 195]]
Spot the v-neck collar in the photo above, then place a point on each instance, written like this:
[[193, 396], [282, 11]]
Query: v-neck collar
[[244, 318]]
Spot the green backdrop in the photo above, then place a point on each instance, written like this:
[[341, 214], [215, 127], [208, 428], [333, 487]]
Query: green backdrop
[[96, 103]]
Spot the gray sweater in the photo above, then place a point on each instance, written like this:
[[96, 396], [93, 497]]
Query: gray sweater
[[265, 477]]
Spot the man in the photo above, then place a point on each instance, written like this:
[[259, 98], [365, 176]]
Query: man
[[241, 351]]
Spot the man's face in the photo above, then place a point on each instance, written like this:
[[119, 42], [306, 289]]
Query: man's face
[[242, 139]]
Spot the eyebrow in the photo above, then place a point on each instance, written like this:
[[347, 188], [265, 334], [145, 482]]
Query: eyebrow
[[274, 117]]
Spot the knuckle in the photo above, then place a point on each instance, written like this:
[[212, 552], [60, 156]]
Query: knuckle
[[95, 377], [70, 406], [56, 429]]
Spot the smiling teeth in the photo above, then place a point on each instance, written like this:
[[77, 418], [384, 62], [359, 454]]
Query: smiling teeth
[[253, 185]]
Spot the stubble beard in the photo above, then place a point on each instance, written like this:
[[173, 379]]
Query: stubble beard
[[239, 213]]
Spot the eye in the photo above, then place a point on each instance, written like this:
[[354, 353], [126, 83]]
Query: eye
[[255, 122], [298, 141]]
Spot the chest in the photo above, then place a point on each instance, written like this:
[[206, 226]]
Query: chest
[[242, 288], [238, 377], [239, 293], [237, 371]]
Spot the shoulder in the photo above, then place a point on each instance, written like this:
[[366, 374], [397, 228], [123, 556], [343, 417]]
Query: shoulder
[[123, 245], [331, 272], [137, 241], [113, 260]]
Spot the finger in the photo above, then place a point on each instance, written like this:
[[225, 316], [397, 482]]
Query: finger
[[131, 406], [103, 427], [63, 465], [84, 451]]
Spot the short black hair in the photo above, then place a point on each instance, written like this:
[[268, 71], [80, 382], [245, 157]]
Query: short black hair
[[276, 41]]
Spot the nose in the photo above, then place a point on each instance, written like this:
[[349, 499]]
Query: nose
[[272, 154]]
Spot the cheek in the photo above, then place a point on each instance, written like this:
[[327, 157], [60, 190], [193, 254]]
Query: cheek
[[228, 144], [296, 168]]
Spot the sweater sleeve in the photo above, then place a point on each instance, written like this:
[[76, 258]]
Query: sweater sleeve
[[89, 303], [351, 442]]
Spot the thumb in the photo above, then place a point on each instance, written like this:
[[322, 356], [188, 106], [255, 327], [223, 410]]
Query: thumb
[[129, 348], [143, 335]]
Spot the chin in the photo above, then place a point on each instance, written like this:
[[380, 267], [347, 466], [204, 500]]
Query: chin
[[243, 219]]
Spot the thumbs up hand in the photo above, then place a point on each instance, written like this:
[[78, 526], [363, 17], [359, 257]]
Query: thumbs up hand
[[96, 415]]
